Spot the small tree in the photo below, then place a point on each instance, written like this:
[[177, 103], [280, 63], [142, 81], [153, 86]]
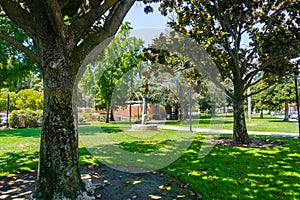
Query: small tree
[[277, 97], [121, 56]]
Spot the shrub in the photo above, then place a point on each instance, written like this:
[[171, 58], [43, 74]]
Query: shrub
[[90, 117], [30, 99], [81, 119], [25, 118]]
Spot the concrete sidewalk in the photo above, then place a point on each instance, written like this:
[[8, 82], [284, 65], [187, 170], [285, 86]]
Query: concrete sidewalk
[[183, 128]]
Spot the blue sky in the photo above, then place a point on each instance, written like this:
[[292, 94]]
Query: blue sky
[[139, 19]]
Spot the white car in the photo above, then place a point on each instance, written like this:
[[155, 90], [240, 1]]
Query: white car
[[4, 119], [294, 115]]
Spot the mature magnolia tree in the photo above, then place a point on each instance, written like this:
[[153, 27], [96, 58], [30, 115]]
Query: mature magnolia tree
[[63, 33], [222, 26]]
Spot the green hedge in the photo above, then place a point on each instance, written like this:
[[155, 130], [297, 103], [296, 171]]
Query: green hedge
[[25, 118]]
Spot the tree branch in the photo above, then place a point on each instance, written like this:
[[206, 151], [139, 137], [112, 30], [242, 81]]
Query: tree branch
[[228, 93], [21, 47], [250, 76], [82, 23], [258, 91], [236, 69], [111, 25], [240, 27], [63, 3], [56, 19], [253, 51], [17, 14]]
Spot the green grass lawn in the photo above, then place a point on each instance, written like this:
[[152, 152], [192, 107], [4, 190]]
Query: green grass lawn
[[267, 124], [225, 173]]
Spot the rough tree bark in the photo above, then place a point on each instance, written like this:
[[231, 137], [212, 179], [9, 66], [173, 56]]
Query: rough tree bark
[[58, 175], [112, 118], [213, 109], [168, 110], [107, 112], [60, 49], [240, 134], [286, 111], [261, 114]]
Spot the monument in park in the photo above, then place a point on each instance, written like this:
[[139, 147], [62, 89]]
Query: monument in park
[[144, 114], [144, 126]]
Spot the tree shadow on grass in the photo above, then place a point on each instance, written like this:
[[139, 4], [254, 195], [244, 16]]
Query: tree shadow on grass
[[109, 184], [281, 120], [17, 187], [20, 171], [242, 173], [227, 172], [26, 132], [92, 130], [12, 163]]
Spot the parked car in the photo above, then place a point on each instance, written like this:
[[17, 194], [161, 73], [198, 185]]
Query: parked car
[[4, 119], [294, 115]]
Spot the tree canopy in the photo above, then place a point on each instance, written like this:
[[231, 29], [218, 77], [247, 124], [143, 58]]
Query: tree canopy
[[120, 57], [276, 97], [222, 28], [15, 66]]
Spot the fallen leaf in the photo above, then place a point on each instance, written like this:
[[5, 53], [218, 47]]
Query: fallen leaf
[[280, 193], [126, 183], [169, 182], [154, 196], [161, 187], [199, 196]]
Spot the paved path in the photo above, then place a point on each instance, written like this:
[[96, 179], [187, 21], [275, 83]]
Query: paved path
[[226, 131]]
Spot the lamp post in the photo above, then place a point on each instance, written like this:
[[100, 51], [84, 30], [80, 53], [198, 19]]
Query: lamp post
[[190, 108], [7, 110], [296, 73], [130, 112], [249, 104]]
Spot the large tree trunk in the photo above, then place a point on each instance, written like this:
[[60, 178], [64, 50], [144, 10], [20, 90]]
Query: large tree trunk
[[286, 111], [112, 118], [107, 112], [261, 114], [58, 175], [213, 109], [176, 112], [240, 134], [59, 50], [168, 110]]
